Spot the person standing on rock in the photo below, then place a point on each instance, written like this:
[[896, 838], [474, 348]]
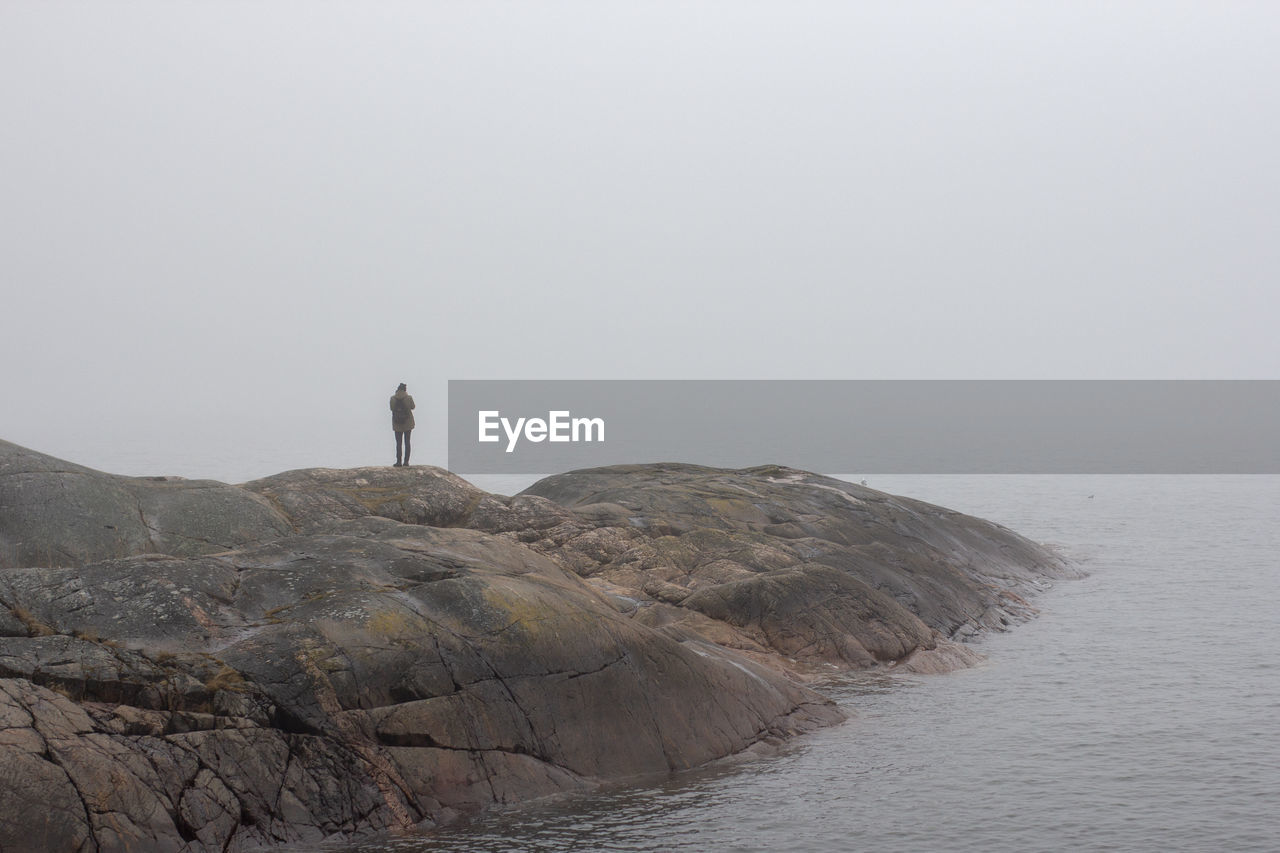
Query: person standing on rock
[[402, 421]]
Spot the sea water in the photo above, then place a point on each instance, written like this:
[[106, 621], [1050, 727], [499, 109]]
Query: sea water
[[1139, 711]]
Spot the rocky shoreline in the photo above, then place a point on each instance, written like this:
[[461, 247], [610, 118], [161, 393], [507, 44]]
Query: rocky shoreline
[[195, 666]]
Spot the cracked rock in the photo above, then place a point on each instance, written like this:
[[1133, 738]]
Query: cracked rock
[[193, 666]]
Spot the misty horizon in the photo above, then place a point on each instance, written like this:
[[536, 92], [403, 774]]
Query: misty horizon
[[231, 231]]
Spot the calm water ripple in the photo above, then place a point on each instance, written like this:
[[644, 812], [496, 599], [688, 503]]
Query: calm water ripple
[[1138, 712]]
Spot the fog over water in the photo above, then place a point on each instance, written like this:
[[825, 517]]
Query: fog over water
[[227, 231]]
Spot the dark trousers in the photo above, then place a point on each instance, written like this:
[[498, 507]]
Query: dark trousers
[[403, 438]]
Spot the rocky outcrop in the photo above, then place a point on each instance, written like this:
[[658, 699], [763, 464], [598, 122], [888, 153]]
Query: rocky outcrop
[[192, 666], [789, 563], [55, 513]]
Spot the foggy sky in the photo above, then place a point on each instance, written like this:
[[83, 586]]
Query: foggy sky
[[228, 230]]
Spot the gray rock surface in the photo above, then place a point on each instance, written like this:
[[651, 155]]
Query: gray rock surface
[[55, 513], [784, 562], [193, 666]]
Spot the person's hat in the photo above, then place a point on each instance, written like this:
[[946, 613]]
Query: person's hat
[[402, 387]]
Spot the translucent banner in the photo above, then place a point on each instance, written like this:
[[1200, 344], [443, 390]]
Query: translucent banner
[[869, 426]]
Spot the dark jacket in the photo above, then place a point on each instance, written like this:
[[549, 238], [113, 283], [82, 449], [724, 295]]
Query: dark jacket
[[401, 411]]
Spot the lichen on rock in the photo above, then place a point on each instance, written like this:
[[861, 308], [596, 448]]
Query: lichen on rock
[[188, 665]]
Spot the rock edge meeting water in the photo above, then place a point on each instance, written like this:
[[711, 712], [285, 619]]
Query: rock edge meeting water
[[1136, 712]]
